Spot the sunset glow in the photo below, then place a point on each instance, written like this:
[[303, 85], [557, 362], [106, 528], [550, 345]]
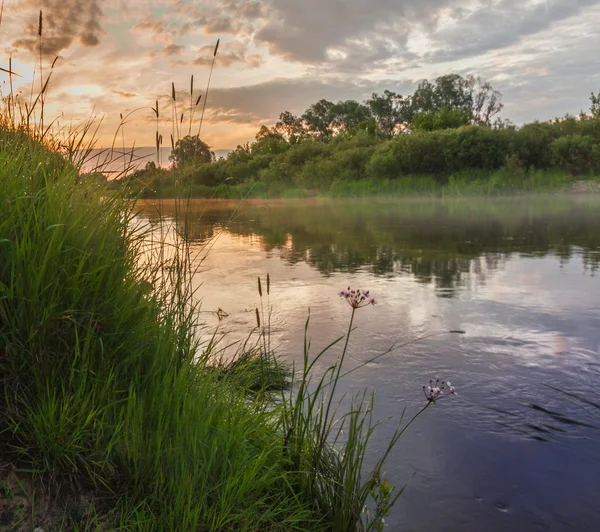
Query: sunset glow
[[115, 56]]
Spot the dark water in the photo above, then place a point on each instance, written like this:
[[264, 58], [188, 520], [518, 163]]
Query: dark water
[[519, 448]]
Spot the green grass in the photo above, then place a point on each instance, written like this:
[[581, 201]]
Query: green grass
[[466, 183], [106, 391], [98, 379]]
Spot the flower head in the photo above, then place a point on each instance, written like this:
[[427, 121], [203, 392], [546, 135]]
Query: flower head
[[357, 298], [436, 390]]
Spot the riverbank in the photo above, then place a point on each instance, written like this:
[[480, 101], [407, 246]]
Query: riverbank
[[114, 416], [467, 160], [491, 185]]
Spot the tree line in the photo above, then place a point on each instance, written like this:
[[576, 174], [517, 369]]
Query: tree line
[[445, 126]]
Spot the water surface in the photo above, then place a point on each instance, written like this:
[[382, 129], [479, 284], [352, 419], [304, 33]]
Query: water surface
[[519, 449]]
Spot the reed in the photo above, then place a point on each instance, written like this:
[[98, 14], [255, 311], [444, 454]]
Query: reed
[[108, 390]]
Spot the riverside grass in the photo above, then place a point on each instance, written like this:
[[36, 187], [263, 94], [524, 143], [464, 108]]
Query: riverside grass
[[99, 385], [112, 415], [481, 184]]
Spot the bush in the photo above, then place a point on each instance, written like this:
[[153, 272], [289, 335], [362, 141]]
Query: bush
[[532, 144], [576, 154]]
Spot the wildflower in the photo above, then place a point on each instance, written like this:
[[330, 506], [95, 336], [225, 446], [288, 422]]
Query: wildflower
[[357, 298], [436, 390]]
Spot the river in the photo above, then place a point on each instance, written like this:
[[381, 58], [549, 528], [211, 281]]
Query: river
[[519, 447]]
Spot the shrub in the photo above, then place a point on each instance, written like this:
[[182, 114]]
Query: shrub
[[577, 154]]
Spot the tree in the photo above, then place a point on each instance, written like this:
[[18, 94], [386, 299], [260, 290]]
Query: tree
[[318, 118], [445, 118], [386, 109], [291, 127], [450, 91], [269, 141], [485, 101], [347, 115], [471, 95], [191, 151], [595, 107]]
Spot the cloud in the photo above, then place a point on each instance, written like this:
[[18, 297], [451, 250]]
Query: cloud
[[278, 55], [124, 94], [368, 36], [306, 31], [236, 17], [184, 17], [63, 22], [229, 53], [263, 102], [173, 49], [498, 25]]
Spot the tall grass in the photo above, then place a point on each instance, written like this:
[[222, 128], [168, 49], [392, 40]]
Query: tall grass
[[99, 383], [103, 390], [107, 390]]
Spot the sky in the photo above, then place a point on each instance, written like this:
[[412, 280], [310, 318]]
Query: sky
[[117, 57]]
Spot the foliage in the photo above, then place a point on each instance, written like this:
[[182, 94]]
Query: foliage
[[191, 151], [447, 127], [387, 109], [595, 106], [577, 154], [445, 118], [470, 96]]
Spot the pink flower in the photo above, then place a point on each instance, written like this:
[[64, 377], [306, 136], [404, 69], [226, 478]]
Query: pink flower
[[436, 390], [357, 298]]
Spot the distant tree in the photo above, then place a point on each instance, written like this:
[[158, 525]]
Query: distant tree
[[485, 101], [450, 91], [318, 118], [502, 123], [94, 177], [369, 127], [241, 154], [291, 127], [269, 141], [471, 95], [595, 107], [423, 100], [191, 151], [386, 109], [346, 115]]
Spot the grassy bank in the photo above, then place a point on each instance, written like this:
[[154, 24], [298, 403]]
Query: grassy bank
[[114, 417], [502, 182]]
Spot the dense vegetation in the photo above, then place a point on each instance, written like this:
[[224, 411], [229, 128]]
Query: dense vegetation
[[445, 136], [114, 416]]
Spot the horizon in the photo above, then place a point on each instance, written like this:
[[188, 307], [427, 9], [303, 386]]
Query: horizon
[[117, 56]]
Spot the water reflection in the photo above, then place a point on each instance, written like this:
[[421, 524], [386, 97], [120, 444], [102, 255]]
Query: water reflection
[[519, 448], [445, 243]]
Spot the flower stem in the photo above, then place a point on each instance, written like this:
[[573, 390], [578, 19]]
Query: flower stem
[[413, 418], [339, 369]]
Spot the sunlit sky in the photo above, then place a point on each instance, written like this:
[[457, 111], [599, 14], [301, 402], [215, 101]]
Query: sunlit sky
[[115, 56]]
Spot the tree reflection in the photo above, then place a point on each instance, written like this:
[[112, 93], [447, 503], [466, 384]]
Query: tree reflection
[[444, 243]]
